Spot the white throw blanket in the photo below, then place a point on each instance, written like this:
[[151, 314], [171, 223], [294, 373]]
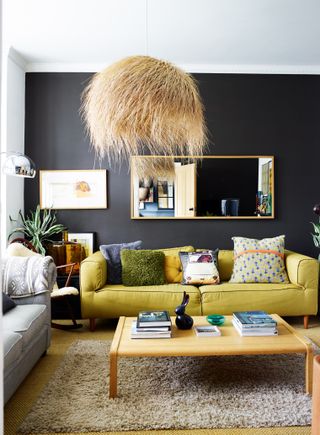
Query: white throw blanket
[[27, 276]]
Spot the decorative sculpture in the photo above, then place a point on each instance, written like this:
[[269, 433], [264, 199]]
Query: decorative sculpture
[[142, 105], [183, 320]]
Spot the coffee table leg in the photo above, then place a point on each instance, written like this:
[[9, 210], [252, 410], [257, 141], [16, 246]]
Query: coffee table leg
[[309, 369], [113, 375]]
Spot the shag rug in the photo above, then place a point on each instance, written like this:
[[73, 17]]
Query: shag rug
[[165, 393]]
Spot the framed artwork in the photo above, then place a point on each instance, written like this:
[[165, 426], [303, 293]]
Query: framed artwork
[[85, 239], [73, 189]]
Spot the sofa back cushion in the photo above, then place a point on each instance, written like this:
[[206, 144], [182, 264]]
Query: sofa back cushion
[[225, 264], [172, 263]]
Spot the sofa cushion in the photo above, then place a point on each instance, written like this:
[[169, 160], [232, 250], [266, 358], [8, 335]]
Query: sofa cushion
[[12, 347], [112, 254], [27, 320], [7, 303], [200, 267], [143, 267], [260, 261], [279, 298], [172, 263], [225, 264]]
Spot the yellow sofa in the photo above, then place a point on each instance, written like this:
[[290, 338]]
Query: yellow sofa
[[299, 297]]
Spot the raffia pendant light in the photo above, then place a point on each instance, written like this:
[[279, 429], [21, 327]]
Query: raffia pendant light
[[153, 168], [142, 105]]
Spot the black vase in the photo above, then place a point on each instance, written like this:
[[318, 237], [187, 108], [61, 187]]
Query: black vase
[[183, 320]]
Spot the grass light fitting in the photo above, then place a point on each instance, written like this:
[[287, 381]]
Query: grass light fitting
[[142, 105]]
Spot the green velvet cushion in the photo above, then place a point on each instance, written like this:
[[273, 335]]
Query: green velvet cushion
[[143, 267]]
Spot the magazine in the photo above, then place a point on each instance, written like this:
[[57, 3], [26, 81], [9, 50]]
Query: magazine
[[207, 331]]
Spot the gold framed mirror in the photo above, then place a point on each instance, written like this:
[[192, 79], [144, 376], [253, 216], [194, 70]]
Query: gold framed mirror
[[210, 187]]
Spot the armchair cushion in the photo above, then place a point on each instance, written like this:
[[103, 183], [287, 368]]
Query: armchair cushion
[[27, 320]]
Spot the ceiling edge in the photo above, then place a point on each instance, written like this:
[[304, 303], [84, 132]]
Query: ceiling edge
[[17, 58], [192, 68]]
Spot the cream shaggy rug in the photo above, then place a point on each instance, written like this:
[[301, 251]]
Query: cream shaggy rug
[[163, 393]]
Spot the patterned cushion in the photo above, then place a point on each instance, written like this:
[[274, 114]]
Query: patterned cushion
[[200, 267], [26, 276], [259, 260]]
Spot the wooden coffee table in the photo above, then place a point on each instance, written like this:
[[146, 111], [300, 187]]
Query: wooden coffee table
[[187, 343]]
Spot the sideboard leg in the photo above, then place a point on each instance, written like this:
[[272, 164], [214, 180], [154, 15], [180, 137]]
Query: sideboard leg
[[305, 322], [92, 324]]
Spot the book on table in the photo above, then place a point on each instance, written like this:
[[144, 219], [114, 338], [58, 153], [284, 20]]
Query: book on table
[[254, 323], [153, 319], [254, 319], [156, 332], [255, 332]]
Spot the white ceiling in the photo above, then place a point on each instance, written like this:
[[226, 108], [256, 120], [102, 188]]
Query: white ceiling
[[281, 36]]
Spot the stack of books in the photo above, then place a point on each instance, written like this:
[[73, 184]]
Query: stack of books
[[151, 324], [254, 323]]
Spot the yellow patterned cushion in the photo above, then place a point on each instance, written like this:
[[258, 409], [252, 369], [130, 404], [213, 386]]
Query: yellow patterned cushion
[[172, 264], [259, 260]]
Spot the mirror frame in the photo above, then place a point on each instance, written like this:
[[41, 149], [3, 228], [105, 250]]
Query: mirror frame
[[133, 217]]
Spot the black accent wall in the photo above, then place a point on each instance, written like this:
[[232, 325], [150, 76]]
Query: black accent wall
[[246, 114]]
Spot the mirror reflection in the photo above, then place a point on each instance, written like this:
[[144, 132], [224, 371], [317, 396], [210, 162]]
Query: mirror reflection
[[214, 187]]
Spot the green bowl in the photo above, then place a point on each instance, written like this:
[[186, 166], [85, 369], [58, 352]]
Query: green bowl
[[215, 319]]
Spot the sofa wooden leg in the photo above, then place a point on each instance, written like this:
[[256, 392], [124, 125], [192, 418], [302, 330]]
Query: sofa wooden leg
[[305, 322], [92, 324]]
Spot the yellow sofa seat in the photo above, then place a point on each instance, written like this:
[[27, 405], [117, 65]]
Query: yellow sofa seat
[[118, 300], [283, 299], [299, 297]]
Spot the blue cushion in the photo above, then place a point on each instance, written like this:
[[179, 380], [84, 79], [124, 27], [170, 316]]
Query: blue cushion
[[7, 303], [112, 254]]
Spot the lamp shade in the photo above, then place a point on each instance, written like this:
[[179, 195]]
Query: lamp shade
[[142, 105], [18, 165]]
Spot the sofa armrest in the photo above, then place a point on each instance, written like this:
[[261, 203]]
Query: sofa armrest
[[302, 270], [93, 273]]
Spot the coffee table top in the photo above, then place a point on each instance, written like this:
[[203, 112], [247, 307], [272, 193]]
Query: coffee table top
[[187, 343]]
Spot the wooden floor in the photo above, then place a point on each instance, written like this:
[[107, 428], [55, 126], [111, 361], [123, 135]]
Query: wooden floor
[[19, 405]]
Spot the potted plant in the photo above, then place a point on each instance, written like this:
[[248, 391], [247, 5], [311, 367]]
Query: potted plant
[[38, 227], [316, 228]]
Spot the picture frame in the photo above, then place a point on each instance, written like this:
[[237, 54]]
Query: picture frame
[[73, 189], [85, 239]]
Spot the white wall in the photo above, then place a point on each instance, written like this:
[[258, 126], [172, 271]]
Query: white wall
[[12, 136]]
